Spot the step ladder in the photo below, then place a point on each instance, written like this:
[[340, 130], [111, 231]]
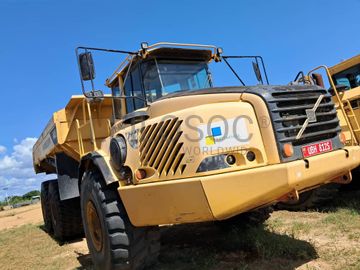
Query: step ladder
[[352, 118], [354, 126]]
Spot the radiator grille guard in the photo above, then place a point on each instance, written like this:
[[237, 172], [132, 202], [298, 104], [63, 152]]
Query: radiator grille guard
[[288, 107]]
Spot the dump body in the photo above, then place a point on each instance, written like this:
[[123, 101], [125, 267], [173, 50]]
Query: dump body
[[62, 132]]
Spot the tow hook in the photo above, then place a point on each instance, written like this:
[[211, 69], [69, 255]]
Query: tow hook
[[290, 197], [343, 179]]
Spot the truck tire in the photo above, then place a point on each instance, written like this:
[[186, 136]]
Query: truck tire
[[312, 199], [113, 242], [45, 206], [249, 219], [65, 215]]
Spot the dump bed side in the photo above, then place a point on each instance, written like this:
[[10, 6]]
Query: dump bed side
[[69, 131]]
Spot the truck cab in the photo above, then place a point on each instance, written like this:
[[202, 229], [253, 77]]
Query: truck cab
[[164, 71]]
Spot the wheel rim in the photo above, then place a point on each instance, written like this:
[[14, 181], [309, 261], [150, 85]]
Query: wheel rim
[[94, 225]]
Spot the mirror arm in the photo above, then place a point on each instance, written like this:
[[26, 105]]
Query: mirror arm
[[105, 50], [233, 71], [250, 56]]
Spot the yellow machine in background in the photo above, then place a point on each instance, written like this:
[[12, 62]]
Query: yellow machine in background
[[346, 79], [167, 147], [344, 82]]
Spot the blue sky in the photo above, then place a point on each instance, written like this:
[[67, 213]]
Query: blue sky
[[39, 73]]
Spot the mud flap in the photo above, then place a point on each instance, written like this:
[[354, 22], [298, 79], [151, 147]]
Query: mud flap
[[67, 170]]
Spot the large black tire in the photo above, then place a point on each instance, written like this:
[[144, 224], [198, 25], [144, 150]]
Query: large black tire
[[113, 242], [65, 215], [45, 207], [249, 219], [312, 199]]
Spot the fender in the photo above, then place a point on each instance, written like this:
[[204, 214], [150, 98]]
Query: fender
[[95, 159]]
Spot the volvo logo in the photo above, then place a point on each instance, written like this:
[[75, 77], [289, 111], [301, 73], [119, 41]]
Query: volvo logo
[[310, 117]]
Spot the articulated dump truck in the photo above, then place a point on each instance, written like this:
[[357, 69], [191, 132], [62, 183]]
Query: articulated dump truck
[[167, 147], [343, 79]]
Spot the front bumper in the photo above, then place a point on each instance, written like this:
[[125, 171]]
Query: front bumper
[[222, 196]]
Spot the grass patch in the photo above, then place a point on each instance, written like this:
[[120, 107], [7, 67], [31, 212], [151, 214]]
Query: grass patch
[[326, 240], [349, 200], [275, 224], [29, 247], [186, 258], [192, 247], [300, 227], [266, 244], [344, 220]]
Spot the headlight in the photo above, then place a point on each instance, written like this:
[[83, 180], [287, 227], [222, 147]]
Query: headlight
[[213, 163], [118, 152]]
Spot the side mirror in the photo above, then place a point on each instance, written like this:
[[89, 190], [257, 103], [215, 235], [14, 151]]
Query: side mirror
[[86, 66], [257, 72]]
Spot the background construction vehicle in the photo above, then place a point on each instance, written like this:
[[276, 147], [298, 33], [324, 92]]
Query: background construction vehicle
[[344, 84], [167, 147]]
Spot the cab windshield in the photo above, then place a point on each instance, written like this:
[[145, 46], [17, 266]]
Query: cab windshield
[[162, 77]]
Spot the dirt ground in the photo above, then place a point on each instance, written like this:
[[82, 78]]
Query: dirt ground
[[30, 214], [314, 240]]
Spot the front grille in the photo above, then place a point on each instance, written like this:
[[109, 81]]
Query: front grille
[[160, 148], [288, 107]]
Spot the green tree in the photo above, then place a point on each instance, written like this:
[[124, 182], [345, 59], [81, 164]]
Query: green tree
[[15, 199], [27, 196]]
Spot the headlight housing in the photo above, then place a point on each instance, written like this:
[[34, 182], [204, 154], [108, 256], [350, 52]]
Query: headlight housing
[[118, 151]]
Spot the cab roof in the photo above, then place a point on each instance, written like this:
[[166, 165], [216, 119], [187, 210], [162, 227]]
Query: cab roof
[[171, 53]]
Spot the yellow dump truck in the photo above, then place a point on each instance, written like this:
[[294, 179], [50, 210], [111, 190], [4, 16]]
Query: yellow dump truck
[[343, 79], [168, 147]]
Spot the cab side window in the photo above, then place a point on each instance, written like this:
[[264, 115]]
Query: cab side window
[[133, 87], [137, 89], [116, 102], [128, 92]]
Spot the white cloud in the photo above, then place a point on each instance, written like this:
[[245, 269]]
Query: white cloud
[[7, 163], [2, 149], [16, 170]]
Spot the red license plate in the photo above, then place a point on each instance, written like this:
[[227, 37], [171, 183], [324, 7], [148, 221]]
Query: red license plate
[[316, 148]]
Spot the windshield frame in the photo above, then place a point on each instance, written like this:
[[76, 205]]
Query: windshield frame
[[157, 62]]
